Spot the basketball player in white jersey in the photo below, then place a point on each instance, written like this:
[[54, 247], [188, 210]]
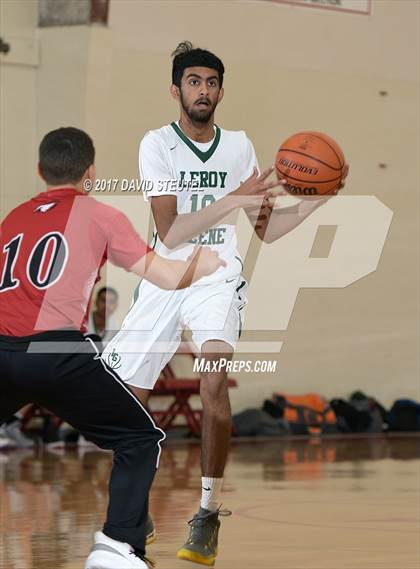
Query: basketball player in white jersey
[[195, 174]]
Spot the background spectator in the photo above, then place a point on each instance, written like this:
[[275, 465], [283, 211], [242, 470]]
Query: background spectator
[[101, 323]]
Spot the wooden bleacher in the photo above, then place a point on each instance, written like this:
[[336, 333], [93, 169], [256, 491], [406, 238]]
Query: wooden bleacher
[[182, 390]]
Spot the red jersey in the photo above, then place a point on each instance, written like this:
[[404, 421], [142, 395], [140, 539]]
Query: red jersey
[[51, 250]]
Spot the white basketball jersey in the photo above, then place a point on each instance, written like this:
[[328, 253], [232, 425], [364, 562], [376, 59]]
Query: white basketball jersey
[[198, 174]]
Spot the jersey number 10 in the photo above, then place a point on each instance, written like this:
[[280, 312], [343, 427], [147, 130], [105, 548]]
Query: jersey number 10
[[205, 201], [42, 269]]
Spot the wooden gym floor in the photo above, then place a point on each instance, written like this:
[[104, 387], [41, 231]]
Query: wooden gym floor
[[298, 504]]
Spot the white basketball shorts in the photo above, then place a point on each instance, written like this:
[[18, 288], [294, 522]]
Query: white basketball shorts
[[151, 331]]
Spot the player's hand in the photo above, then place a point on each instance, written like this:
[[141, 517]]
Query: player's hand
[[279, 190], [340, 185], [252, 192], [207, 260], [343, 178]]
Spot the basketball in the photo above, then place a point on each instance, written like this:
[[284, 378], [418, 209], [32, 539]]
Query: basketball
[[312, 163]]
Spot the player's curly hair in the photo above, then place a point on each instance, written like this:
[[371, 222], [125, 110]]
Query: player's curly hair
[[186, 55]]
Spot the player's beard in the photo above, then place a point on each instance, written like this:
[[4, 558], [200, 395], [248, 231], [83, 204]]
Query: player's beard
[[196, 116]]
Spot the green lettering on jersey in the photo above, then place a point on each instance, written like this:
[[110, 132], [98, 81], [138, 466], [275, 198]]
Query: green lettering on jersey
[[206, 200], [213, 179], [204, 179], [194, 202], [213, 236], [220, 235], [216, 236], [194, 176]]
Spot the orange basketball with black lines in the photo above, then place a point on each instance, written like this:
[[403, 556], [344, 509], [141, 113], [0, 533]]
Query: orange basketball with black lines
[[312, 163]]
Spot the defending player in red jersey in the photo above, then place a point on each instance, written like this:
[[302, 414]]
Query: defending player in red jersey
[[51, 250]]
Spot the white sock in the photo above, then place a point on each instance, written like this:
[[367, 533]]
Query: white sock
[[211, 489]]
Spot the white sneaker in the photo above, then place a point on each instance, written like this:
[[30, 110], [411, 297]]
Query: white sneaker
[[14, 433], [5, 441], [108, 553], [82, 442]]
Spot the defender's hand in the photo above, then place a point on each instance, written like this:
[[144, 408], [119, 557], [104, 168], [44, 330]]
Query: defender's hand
[[207, 260]]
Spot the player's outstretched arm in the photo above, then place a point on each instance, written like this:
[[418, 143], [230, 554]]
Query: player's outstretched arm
[[171, 275], [271, 224], [282, 221], [259, 217], [174, 229]]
